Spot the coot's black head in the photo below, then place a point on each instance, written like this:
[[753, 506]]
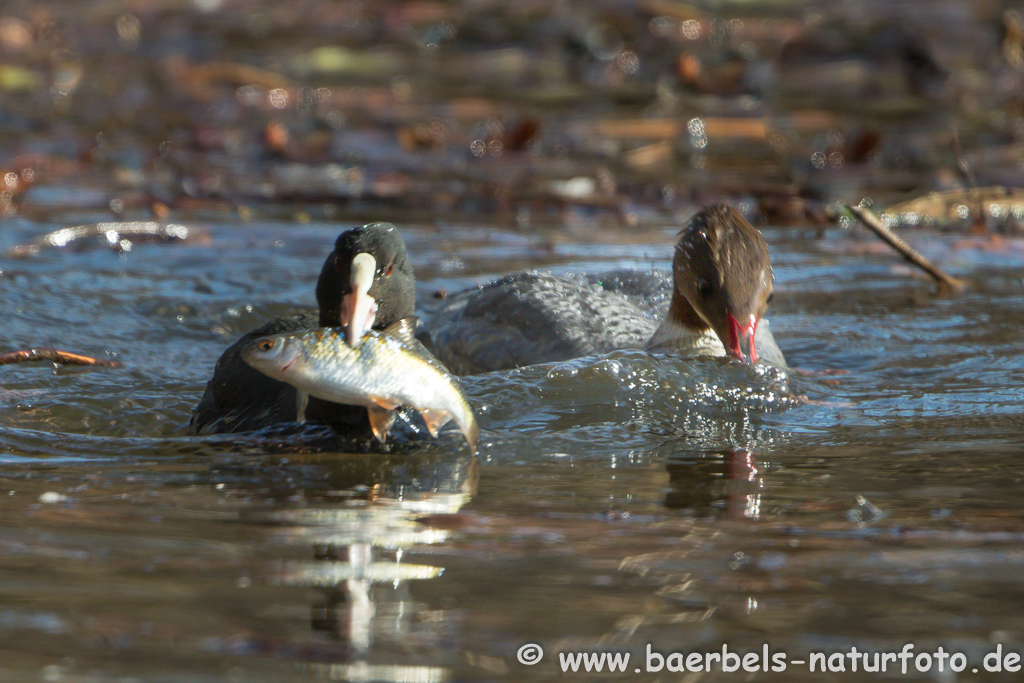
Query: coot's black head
[[388, 278]]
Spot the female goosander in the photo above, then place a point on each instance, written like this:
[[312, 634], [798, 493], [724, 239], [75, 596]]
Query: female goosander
[[365, 282], [721, 285]]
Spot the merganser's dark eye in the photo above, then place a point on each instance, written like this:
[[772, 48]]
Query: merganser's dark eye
[[770, 297], [704, 288]]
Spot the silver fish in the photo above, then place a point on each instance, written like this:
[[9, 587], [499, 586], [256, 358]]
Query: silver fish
[[383, 371]]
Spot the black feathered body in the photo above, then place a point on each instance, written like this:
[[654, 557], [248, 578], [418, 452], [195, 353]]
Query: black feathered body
[[239, 398]]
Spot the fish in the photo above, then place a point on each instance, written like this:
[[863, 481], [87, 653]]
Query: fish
[[382, 371]]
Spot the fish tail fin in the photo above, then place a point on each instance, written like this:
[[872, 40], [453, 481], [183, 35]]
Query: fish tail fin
[[472, 432], [435, 419], [381, 420], [470, 429]]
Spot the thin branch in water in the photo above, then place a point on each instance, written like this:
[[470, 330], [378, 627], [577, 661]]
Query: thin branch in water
[[56, 355], [965, 169], [909, 253]]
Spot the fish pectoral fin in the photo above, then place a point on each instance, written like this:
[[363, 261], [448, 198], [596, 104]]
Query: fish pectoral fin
[[385, 402], [435, 419], [404, 330], [301, 401], [381, 420]]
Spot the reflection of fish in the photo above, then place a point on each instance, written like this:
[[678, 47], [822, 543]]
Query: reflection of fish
[[384, 371]]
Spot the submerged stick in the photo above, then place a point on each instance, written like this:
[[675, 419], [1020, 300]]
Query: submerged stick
[[909, 253], [56, 355]]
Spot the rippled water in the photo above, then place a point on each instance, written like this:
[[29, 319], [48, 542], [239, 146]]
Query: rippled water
[[616, 501]]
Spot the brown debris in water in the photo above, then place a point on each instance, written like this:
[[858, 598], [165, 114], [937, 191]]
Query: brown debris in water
[[998, 208], [56, 355], [203, 80], [909, 253]]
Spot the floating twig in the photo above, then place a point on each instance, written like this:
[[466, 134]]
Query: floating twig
[[118, 235], [672, 128], [909, 253], [56, 355]]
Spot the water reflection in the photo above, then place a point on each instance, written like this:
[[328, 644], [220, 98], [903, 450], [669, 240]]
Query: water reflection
[[358, 568], [725, 483]]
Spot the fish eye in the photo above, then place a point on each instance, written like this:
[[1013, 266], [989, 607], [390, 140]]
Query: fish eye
[[266, 345]]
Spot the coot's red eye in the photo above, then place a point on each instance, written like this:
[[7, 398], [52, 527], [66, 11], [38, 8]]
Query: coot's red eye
[[390, 269], [337, 264]]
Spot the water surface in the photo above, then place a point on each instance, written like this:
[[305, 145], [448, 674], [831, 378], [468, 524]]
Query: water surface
[[615, 502]]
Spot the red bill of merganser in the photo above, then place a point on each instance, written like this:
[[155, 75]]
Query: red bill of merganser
[[721, 285], [366, 282]]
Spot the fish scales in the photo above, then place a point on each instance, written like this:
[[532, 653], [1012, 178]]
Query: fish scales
[[381, 372], [378, 368]]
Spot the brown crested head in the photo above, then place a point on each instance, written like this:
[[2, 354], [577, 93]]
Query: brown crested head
[[723, 278]]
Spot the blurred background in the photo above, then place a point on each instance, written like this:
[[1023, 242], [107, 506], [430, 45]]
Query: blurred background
[[580, 115]]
